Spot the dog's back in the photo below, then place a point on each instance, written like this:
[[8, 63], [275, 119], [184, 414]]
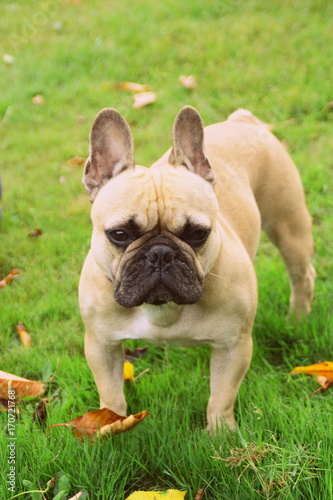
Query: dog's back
[[253, 166]]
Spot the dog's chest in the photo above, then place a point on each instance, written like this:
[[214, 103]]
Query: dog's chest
[[171, 325]]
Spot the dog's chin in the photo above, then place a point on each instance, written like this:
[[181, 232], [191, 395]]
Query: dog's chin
[[157, 297]]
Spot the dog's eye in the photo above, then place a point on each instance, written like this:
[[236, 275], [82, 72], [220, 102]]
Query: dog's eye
[[118, 236], [199, 235]]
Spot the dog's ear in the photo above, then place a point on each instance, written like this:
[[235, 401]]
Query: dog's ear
[[188, 144], [111, 150]]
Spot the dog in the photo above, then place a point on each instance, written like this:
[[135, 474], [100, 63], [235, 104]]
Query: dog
[[172, 249]]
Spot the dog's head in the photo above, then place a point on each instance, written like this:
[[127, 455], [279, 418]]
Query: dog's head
[[154, 229]]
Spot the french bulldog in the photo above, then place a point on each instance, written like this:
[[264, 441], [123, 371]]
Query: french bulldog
[[172, 249]]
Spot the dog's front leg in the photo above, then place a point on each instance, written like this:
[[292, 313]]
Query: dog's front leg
[[227, 369], [107, 365]]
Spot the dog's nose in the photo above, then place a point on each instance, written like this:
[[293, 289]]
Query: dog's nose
[[160, 255]]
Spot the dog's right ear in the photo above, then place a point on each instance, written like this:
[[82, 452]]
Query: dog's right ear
[[111, 150]]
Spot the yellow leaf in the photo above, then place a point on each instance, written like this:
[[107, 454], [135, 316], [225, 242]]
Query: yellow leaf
[[158, 495], [143, 99], [128, 370]]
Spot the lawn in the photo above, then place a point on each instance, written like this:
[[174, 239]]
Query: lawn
[[274, 58]]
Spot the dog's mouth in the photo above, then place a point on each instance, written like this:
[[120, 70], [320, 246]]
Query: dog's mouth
[[159, 273]]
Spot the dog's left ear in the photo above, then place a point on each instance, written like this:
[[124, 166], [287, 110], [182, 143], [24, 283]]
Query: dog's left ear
[[188, 144], [111, 150]]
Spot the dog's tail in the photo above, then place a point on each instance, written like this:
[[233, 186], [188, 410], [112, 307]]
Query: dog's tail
[[245, 116]]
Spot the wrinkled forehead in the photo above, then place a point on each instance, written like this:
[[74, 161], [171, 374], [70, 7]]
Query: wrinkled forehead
[[164, 196]]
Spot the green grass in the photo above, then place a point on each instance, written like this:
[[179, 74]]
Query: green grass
[[273, 58]]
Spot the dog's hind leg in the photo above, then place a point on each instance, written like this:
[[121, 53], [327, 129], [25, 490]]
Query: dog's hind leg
[[293, 237]]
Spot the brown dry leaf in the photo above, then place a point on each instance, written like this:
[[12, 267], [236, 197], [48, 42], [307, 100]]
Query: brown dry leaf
[[77, 161], [200, 494], [22, 386], [38, 100], [35, 233], [40, 412], [23, 334], [8, 279], [103, 423], [143, 99], [3, 404], [188, 82]]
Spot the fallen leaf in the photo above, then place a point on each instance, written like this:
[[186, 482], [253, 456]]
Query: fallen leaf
[[8, 279], [8, 59], [143, 99], [188, 82], [157, 495], [322, 372], [38, 100], [40, 412], [35, 233], [200, 494], [102, 423], [3, 404], [77, 161], [324, 368], [128, 370], [22, 386], [139, 352], [77, 496], [133, 87], [23, 334]]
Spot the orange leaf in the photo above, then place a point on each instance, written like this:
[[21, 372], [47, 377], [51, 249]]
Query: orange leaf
[[143, 99], [22, 386], [23, 334], [325, 368], [103, 423], [8, 279], [323, 372]]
